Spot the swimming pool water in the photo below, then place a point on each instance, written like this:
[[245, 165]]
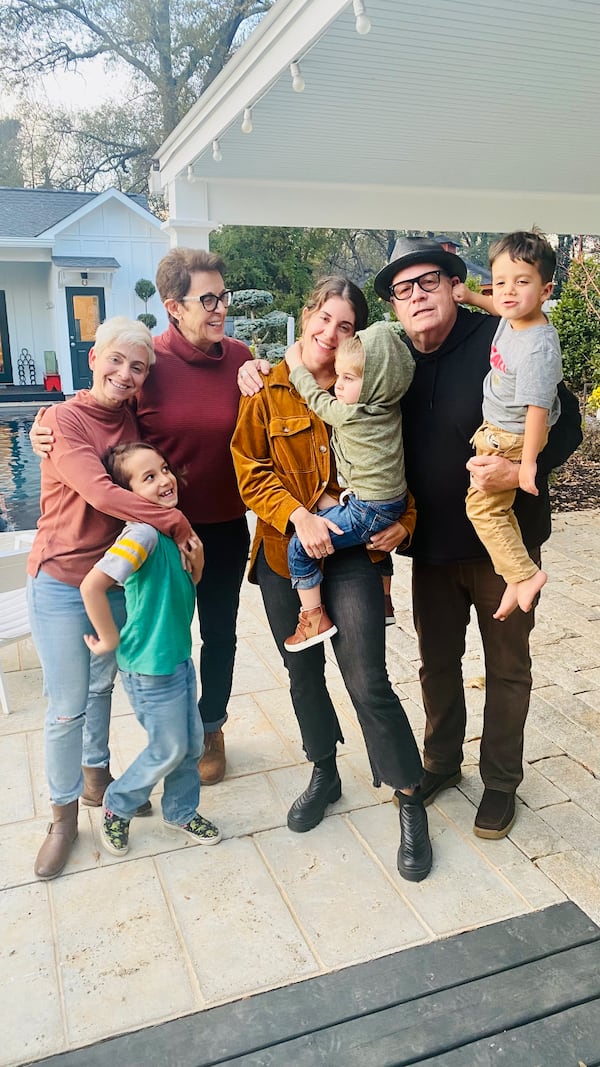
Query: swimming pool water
[[19, 472]]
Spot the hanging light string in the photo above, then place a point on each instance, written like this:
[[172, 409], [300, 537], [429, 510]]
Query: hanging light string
[[297, 79], [363, 22], [362, 26]]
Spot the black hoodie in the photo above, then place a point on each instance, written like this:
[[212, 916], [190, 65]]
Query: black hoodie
[[441, 411]]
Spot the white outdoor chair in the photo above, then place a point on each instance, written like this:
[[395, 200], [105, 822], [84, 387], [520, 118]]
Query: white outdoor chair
[[14, 620]]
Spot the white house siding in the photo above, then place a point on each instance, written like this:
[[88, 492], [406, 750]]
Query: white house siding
[[113, 230], [27, 287]]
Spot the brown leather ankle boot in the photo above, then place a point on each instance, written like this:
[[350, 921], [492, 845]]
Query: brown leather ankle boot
[[96, 781], [212, 764], [62, 832]]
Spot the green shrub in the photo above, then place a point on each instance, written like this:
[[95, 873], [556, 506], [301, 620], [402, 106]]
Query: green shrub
[[577, 319]]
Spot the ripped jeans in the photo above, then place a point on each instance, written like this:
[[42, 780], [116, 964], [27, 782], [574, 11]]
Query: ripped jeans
[[78, 684]]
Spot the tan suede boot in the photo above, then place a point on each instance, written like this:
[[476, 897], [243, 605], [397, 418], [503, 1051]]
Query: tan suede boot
[[96, 781], [212, 764], [62, 832]]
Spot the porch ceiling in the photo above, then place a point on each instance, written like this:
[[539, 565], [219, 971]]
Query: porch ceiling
[[453, 114]]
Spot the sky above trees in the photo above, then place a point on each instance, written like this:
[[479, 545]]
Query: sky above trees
[[98, 85]]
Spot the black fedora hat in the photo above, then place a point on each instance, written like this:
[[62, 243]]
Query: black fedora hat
[[412, 250]]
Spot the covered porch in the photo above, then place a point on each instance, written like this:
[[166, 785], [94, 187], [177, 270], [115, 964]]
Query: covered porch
[[453, 116]]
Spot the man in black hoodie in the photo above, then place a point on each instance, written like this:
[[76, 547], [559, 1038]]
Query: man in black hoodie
[[451, 569]]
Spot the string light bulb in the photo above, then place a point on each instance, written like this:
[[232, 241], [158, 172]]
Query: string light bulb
[[297, 79], [247, 126], [216, 151], [363, 22]]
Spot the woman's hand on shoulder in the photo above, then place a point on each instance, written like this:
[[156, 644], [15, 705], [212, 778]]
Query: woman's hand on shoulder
[[250, 376], [41, 437]]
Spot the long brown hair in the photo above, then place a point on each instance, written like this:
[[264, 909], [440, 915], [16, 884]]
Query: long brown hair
[[338, 285]]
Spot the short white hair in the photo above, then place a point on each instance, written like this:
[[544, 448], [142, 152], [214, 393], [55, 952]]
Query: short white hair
[[121, 330]]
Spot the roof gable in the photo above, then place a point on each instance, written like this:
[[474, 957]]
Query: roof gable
[[30, 212]]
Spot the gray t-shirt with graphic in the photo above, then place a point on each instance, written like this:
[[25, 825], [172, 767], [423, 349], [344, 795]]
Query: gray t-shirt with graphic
[[525, 370]]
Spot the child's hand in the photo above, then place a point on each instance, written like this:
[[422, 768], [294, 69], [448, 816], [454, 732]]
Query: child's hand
[[390, 538], [461, 293], [98, 646], [527, 473], [293, 356], [193, 558]]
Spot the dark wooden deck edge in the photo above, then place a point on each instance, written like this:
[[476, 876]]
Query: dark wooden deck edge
[[243, 1032]]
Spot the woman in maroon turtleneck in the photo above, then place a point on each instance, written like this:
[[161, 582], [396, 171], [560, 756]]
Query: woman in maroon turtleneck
[[188, 410]]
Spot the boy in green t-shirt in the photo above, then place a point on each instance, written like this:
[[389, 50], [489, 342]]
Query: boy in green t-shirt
[[153, 655]]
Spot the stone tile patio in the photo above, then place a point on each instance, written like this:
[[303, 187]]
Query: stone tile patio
[[114, 944]]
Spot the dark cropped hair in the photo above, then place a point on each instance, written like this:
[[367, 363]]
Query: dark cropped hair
[[530, 246], [173, 275], [116, 457], [338, 285]]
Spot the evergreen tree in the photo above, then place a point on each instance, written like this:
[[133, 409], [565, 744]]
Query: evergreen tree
[[577, 319]]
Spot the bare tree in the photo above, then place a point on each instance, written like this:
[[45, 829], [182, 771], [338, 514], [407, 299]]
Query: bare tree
[[165, 54]]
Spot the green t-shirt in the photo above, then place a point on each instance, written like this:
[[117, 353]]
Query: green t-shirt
[[160, 597]]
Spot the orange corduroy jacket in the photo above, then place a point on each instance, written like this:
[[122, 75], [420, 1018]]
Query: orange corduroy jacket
[[282, 458]]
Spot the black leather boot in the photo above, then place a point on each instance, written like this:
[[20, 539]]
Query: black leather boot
[[308, 810], [414, 854]]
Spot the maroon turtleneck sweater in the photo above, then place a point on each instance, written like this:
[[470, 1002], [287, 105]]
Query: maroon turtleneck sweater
[[188, 410]]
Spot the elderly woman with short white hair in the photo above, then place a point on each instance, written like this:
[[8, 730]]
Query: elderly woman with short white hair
[[82, 512]]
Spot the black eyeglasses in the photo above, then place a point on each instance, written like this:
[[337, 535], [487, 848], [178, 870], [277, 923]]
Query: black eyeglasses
[[209, 301], [428, 282]]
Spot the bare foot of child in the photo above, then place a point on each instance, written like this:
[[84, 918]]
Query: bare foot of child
[[520, 595], [509, 602], [528, 590]]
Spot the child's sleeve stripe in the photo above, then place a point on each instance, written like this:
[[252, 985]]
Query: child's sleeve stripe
[[132, 551]]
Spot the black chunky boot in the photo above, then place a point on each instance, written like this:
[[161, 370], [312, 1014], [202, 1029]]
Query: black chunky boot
[[414, 854], [308, 810]]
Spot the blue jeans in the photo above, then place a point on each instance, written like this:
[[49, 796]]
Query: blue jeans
[[354, 593], [165, 705], [78, 685], [359, 519]]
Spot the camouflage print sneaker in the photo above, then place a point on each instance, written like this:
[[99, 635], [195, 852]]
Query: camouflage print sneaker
[[114, 833], [199, 829]]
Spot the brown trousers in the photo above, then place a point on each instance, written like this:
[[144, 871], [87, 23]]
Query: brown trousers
[[442, 599]]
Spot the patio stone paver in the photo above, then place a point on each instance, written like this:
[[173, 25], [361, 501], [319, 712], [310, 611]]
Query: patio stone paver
[[172, 928], [347, 907], [236, 926], [119, 956], [463, 889], [32, 1005], [17, 801]]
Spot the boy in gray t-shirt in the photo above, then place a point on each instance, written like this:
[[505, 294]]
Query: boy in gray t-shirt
[[520, 402]]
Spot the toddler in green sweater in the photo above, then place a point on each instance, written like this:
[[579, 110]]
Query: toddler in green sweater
[[374, 369]]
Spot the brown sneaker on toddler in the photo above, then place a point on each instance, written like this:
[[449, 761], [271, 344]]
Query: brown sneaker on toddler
[[390, 616], [314, 625]]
